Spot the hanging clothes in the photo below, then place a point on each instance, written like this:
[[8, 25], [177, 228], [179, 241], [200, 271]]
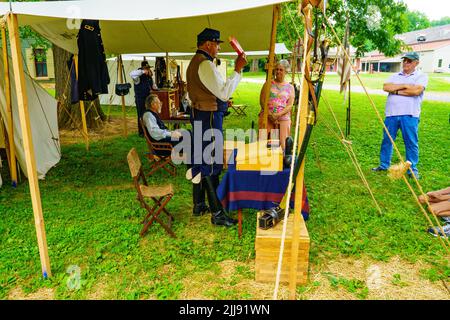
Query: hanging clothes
[[93, 77], [160, 70], [74, 95]]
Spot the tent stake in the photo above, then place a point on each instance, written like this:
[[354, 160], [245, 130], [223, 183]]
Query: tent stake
[[121, 80], [82, 112], [9, 116], [22, 102]]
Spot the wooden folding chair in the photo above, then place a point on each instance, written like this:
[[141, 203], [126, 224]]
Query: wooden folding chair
[[239, 109], [158, 161], [160, 195]]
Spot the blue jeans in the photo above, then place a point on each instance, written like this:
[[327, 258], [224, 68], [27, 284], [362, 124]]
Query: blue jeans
[[409, 127]]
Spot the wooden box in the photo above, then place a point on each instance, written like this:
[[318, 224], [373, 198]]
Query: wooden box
[[255, 156], [167, 97], [267, 247]]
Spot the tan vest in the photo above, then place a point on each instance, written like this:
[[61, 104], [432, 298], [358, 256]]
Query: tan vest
[[202, 99]]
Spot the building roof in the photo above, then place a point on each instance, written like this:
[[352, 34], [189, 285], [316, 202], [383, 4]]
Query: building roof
[[430, 34], [435, 38], [428, 46]]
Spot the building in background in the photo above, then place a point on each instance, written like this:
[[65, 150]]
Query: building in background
[[432, 44], [38, 62]]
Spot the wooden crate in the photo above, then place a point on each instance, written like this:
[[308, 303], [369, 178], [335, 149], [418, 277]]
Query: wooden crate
[[267, 247]]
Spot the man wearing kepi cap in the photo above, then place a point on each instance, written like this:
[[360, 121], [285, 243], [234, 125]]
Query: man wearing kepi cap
[[209, 94], [403, 111], [143, 84]]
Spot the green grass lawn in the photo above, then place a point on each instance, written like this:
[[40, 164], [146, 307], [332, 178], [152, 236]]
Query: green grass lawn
[[92, 218], [438, 82]]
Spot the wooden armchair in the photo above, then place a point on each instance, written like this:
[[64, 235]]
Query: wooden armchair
[[159, 154], [160, 195]]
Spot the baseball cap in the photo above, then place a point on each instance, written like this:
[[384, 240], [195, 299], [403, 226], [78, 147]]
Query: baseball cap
[[209, 35], [411, 55]]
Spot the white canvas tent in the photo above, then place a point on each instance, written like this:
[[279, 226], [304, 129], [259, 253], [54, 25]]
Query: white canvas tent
[[44, 124], [150, 26], [280, 48], [127, 27], [132, 62]]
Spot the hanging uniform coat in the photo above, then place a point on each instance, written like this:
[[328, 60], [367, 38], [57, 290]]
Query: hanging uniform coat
[[93, 77]]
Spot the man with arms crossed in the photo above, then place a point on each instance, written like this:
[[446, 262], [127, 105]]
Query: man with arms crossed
[[402, 111]]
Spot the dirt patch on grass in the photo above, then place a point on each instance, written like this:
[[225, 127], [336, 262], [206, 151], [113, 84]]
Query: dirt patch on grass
[[98, 291], [392, 280], [112, 128], [346, 279], [41, 294]]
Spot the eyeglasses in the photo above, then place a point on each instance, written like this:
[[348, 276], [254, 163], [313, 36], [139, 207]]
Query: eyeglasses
[[407, 61]]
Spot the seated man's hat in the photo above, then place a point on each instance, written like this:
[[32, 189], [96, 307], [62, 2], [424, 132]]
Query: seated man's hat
[[209, 35]]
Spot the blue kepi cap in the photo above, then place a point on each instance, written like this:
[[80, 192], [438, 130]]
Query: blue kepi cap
[[209, 35]]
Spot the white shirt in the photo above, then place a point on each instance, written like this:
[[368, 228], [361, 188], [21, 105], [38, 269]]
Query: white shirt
[[398, 105], [212, 79], [152, 126], [136, 74]]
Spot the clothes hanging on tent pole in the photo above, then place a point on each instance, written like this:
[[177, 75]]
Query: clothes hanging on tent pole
[[93, 77], [74, 96], [160, 71]]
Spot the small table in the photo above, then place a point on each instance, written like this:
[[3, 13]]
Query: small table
[[253, 190], [176, 121]]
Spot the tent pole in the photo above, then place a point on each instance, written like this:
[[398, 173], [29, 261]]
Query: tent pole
[[276, 10], [22, 102], [83, 113], [301, 174], [167, 69], [121, 80], [9, 117]]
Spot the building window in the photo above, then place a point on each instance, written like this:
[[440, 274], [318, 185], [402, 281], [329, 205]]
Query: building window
[[439, 63], [40, 63], [421, 38]]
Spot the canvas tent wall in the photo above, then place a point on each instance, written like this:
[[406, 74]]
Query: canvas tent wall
[[280, 48], [132, 62], [44, 124]]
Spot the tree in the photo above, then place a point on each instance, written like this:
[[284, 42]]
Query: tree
[[417, 21], [441, 22], [373, 24]]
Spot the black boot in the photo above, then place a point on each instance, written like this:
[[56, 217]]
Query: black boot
[[289, 145], [216, 182], [198, 194], [218, 214]]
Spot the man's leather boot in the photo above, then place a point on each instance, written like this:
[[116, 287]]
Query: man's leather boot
[[218, 214], [198, 194]]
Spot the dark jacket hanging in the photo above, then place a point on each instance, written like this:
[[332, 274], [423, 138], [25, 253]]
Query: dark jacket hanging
[[93, 77]]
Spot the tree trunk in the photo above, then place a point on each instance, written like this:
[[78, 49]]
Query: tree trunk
[[255, 65], [69, 115]]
